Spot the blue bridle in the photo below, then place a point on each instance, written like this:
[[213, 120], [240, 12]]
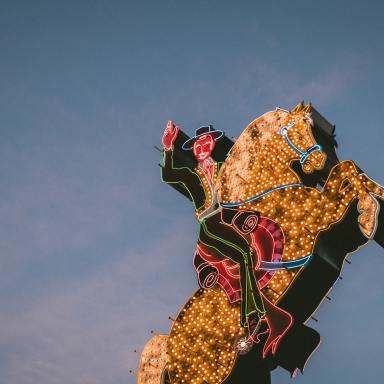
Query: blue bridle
[[304, 155]]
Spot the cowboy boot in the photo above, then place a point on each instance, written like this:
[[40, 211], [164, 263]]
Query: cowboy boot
[[279, 322]]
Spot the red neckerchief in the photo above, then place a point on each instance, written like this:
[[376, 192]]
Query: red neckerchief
[[209, 168]]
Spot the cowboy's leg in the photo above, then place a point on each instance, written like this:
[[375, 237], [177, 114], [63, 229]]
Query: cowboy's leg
[[255, 289], [221, 251], [238, 251], [224, 239], [227, 232]]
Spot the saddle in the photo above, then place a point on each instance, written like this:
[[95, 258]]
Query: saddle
[[244, 222]]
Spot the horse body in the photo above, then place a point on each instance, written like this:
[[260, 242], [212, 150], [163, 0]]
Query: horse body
[[302, 212]]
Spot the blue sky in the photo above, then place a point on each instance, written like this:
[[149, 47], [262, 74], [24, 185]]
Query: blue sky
[[94, 251]]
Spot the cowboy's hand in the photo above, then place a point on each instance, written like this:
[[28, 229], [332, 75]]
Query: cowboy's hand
[[170, 135]]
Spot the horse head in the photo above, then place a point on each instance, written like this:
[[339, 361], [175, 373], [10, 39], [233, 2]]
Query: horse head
[[299, 139]]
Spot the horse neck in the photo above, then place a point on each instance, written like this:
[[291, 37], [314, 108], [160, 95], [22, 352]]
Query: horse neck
[[268, 172]]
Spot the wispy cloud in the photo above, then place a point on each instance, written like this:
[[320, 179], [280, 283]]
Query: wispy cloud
[[85, 332]]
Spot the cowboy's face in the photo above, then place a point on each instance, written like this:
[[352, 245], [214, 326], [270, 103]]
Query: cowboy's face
[[203, 147]]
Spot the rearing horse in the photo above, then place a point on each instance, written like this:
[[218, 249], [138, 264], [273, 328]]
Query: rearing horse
[[258, 175]]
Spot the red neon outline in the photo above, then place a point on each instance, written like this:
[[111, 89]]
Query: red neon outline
[[200, 149], [277, 236], [169, 135], [228, 271], [276, 334], [230, 286]]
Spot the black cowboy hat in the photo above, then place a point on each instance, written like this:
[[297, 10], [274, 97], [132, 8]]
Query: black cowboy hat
[[206, 130]]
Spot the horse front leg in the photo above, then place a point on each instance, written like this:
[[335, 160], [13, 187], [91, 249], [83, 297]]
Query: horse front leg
[[368, 204], [346, 180], [337, 193], [371, 186], [368, 191]]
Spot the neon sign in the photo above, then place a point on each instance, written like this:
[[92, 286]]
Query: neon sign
[[259, 229]]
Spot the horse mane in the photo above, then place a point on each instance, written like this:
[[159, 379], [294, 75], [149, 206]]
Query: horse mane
[[232, 181]]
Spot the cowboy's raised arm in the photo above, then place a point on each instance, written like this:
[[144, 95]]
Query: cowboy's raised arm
[[184, 176], [169, 173], [169, 136]]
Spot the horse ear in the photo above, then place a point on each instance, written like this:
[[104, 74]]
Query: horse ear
[[298, 107], [308, 108]]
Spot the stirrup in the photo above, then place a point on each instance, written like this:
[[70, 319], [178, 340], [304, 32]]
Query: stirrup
[[254, 326]]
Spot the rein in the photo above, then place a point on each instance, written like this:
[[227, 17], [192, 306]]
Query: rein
[[281, 265], [229, 205]]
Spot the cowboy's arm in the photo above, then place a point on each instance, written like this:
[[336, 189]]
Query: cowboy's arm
[[172, 174], [184, 177]]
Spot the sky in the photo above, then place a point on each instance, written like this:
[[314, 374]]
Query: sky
[[95, 252]]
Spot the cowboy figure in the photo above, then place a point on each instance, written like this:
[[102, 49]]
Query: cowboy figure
[[219, 234]]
